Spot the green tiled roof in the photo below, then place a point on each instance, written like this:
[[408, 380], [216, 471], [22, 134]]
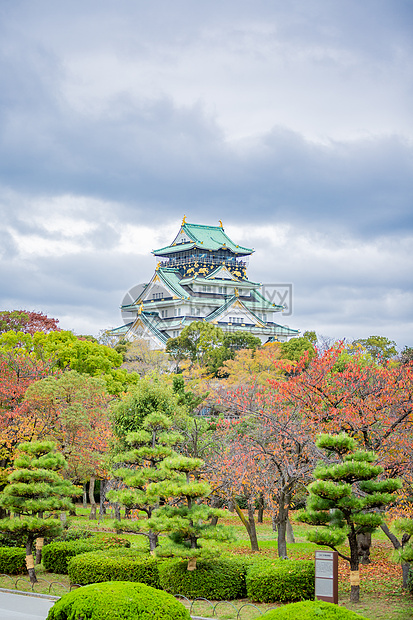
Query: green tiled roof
[[171, 277], [206, 238], [262, 302]]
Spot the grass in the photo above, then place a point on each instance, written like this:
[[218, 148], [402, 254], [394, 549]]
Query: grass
[[382, 597]]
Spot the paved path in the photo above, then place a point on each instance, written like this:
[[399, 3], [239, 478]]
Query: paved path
[[22, 607]]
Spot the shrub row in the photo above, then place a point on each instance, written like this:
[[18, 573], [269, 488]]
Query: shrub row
[[114, 565], [280, 580], [12, 560], [56, 555], [223, 579]]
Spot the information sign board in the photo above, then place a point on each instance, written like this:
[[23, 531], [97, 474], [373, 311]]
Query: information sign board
[[326, 576]]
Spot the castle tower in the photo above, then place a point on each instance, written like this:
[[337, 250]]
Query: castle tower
[[201, 275]]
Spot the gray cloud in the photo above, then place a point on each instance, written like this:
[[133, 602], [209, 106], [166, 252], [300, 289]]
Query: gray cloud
[[295, 117]]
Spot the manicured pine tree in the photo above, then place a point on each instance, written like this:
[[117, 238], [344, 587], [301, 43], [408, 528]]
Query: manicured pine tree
[[36, 487], [347, 499], [186, 518], [140, 467]]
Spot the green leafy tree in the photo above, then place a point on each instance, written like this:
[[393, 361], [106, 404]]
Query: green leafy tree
[[295, 348], [195, 342], [65, 351], [346, 499], [34, 488], [141, 466], [146, 397], [380, 348], [186, 519]]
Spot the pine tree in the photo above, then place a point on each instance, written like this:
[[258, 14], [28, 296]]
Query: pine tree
[[186, 518], [346, 499], [140, 467], [35, 487]]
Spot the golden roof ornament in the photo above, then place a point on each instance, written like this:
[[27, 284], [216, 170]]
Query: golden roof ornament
[[140, 308], [157, 266], [183, 220], [220, 223], [236, 292]]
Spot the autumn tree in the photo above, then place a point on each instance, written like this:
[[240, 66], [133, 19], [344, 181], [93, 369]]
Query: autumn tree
[[27, 322], [18, 370], [346, 499], [34, 488], [269, 454], [70, 409], [140, 358]]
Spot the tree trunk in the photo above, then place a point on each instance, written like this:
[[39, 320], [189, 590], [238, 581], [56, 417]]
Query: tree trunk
[[102, 507], [354, 568], [84, 498], [274, 523], [153, 541], [364, 544], [116, 509], [29, 560], [405, 570], [397, 545], [260, 517], [281, 520], [282, 531], [93, 506], [249, 525], [290, 533], [39, 547], [253, 531]]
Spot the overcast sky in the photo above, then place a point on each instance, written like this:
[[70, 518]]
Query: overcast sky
[[291, 121]]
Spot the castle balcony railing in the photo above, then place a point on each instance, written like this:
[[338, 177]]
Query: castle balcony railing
[[185, 261]]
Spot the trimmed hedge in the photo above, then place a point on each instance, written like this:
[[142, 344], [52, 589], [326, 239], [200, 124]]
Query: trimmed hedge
[[12, 560], [56, 556], [312, 610], [220, 579], [118, 600], [281, 580], [114, 565]]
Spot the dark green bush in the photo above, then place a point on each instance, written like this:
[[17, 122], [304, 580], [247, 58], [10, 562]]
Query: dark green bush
[[221, 579], [114, 565], [55, 556], [12, 560], [312, 610], [12, 539], [280, 580], [118, 600]]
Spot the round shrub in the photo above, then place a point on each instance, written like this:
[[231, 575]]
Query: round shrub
[[220, 579], [312, 610], [56, 556], [12, 560], [281, 580], [118, 600], [114, 565]]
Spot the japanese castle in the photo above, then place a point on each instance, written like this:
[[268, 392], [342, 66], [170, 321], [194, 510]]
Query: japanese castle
[[201, 275]]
